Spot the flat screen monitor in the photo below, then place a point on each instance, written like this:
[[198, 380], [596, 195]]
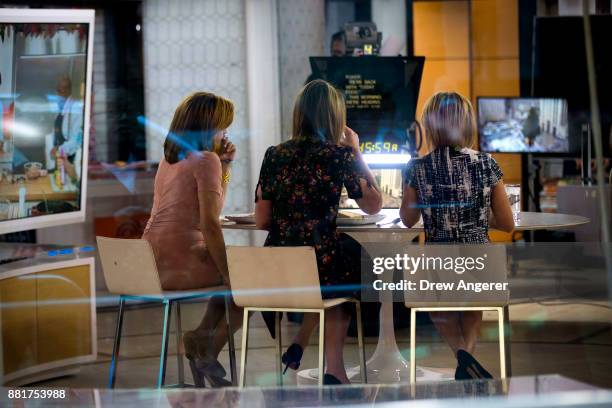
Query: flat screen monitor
[[381, 95], [45, 93], [523, 125]]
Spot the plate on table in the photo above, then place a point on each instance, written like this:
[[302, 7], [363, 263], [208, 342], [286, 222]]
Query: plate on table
[[355, 218], [248, 218]]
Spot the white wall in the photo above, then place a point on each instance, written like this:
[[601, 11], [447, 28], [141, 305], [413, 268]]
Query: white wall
[[102, 144], [263, 80], [301, 34], [574, 7], [390, 19], [192, 45], [6, 62]]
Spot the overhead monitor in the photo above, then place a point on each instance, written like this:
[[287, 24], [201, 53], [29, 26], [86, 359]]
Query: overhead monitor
[[523, 125], [45, 94], [381, 95]]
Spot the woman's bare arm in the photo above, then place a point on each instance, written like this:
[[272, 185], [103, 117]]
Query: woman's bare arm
[[371, 200], [210, 210], [502, 212], [263, 211], [409, 211]]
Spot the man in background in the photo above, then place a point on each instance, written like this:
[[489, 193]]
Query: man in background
[[338, 46], [67, 136]]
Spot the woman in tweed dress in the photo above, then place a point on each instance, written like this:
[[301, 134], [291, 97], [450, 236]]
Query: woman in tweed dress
[[459, 192]]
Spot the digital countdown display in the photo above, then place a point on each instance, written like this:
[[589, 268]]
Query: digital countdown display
[[381, 94]]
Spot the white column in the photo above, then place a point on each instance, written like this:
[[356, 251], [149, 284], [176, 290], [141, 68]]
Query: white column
[[390, 19], [262, 81]]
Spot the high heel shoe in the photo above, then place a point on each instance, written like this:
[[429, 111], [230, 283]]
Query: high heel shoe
[[470, 366], [203, 367], [195, 344], [292, 357], [201, 370], [329, 379]]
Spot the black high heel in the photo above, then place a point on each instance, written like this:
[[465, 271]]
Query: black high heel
[[209, 371], [329, 379], [471, 366], [292, 357]]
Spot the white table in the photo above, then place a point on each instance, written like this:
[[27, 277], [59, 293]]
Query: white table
[[387, 364]]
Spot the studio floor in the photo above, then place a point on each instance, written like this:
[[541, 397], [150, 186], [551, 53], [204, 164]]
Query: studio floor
[[570, 339]]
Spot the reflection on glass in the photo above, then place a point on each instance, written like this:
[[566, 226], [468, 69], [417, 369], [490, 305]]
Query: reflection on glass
[[42, 68], [390, 182]]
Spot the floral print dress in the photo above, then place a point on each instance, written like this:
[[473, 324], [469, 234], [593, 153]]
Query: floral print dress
[[304, 180]]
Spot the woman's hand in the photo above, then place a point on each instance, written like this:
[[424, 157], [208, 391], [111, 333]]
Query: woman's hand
[[350, 139], [227, 150]]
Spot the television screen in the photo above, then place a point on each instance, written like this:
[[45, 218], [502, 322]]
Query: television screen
[[523, 125], [45, 91], [381, 95]]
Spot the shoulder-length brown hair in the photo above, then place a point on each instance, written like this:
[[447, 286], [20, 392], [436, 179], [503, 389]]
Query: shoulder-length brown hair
[[449, 120], [196, 120], [319, 113]]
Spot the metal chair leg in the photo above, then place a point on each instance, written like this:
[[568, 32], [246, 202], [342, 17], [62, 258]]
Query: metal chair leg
[[161, 378], [245, 345], [502, 351], [279, 345], [361, 348], [230, 341], [321, 346], [508, 341], [413, 312], [116, 344], [179, 339]]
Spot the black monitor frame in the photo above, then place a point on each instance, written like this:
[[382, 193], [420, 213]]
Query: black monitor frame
[[412, 90]]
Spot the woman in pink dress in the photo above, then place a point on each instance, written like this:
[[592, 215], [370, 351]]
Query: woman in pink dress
[[184, 229]]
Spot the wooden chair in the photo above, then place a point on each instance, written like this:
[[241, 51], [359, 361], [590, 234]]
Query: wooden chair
[[495, 271], [130, 271], [282, 279]]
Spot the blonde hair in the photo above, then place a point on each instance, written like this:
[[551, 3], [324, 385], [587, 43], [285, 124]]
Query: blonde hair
[[319, 113], [448, 119], [196, 120]]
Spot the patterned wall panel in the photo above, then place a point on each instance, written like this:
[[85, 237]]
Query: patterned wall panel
[[301, 34], [197, 45]]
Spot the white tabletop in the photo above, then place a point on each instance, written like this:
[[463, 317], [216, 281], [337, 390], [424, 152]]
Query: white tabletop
[[524, 221]]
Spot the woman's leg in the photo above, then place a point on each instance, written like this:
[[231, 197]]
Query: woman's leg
[[336, 325], [309, 324], [197, 342], [448, 325], [220, 334], [215, 310], [470, 327]]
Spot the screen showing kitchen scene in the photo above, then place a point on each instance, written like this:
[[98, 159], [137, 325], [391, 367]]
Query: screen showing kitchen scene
[[523, 125], [381, 94], [42, 91], [390, 182]]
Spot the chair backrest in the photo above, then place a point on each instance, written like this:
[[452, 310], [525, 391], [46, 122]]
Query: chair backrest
[[487, 266], [129, 266], [283, 277]]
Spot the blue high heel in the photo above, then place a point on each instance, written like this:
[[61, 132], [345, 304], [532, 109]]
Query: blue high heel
[[292, 357]]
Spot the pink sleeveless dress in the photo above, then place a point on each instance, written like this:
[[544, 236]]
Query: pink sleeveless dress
[[174, 227]]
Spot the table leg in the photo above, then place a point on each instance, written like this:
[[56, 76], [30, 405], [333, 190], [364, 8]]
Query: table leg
[[387, 365]]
